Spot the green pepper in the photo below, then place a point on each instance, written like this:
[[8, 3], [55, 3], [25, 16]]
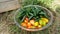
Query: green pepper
[[40, 22], [44, 23]]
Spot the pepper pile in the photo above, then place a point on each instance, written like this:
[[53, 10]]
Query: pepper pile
[[34, 24], [33, 17]]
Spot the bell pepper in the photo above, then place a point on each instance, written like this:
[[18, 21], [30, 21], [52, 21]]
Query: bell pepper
[[39, 26], [25, 21], [45, 19], [36, 24], [32, 22], [40, 22], [29, 25], [24, 24]]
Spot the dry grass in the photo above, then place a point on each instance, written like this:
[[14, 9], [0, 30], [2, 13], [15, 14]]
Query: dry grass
[[7, 25]]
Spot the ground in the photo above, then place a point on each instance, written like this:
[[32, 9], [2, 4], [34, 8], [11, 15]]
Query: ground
[[7, 25]]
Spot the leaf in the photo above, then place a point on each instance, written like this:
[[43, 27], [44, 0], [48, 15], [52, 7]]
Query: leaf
[[19, 13], [30, 17], [37, 9], [23, 18], [34, 11], [31, 14]]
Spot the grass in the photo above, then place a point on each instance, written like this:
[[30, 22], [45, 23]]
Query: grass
[[13, 29]]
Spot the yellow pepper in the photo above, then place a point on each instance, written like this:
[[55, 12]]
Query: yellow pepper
[[39, 26], [45, 19], [36, 24]]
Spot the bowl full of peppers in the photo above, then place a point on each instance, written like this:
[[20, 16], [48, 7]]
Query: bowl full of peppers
[[33, 18]]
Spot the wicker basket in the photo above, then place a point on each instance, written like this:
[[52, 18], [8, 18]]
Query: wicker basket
[[48, 12]]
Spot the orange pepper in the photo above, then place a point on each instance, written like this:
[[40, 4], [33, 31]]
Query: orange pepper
[[29, 25], [32, 22], [24, 24], [25, 21]]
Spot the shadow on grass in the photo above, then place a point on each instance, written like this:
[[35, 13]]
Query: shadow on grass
[[58, 9]]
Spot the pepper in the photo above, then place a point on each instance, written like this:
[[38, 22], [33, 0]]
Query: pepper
[[32, 22], [29, 25], [24, 24], [45, 19], [39, 26], [25, 21], [40, 22], [36, 24]]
